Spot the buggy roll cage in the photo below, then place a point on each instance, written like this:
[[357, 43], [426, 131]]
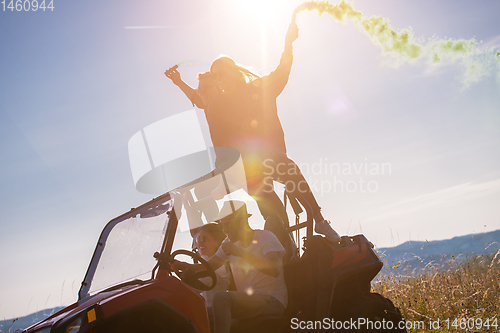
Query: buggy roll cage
[[166, 203]]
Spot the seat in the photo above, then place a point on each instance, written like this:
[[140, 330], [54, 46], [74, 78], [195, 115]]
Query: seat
[[274, 224]]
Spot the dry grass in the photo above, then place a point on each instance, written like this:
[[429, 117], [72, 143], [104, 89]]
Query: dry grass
[[465, 290]]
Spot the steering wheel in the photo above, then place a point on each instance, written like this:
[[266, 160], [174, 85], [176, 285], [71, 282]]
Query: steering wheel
[[191, 277]]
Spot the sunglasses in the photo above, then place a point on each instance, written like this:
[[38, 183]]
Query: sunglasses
[[202, 239]]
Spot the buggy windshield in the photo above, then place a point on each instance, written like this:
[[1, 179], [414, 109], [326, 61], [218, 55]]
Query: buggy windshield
[[126, 247]]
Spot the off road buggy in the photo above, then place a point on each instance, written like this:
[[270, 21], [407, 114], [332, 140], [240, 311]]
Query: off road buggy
[[129, 285]]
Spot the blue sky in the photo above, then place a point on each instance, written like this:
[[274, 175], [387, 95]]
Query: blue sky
[[78, 82]]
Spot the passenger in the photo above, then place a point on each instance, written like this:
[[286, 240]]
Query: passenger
[[246, 111], [268, 202], [257, 266]]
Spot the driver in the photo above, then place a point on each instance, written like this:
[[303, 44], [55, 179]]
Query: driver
[[208, 240], [256, 262]]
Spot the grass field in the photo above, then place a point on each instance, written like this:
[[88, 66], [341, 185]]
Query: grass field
[[464, 295]]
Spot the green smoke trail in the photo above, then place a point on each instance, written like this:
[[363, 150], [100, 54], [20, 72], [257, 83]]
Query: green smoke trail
[[377, 27], [497, 56], [403, 45]]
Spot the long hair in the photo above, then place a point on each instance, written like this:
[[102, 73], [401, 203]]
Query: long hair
[[230, 64], [205, 76]]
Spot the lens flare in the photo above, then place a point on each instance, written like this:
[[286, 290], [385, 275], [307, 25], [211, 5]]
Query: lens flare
[[403, 45]]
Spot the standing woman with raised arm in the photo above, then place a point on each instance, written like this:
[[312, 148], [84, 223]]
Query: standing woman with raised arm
[[244, 116], [202, 97]]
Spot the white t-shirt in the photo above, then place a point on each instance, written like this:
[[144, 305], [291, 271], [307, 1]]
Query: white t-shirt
[[223, 283], [249, 279]]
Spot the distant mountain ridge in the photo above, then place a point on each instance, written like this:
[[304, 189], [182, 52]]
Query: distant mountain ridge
[[413, 255], [11, 325]]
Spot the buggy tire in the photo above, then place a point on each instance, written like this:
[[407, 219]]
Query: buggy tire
[[374, 309]]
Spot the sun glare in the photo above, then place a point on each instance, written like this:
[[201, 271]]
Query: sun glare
[[267, 9]]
